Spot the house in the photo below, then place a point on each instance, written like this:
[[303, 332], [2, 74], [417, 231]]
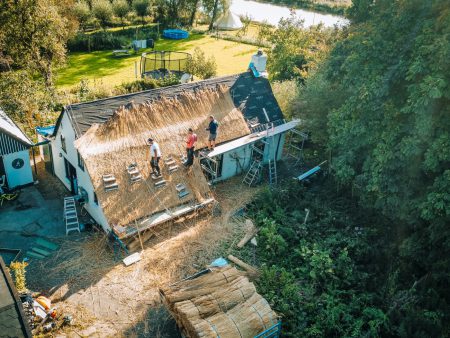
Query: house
[[15, 167], [99, 148]]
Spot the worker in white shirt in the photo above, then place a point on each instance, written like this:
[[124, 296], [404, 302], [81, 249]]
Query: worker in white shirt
[[155, 156]]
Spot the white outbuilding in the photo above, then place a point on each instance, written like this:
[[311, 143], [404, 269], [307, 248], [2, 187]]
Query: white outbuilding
[[15, 167]]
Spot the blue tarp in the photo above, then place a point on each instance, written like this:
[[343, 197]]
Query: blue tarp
[[45, 131]]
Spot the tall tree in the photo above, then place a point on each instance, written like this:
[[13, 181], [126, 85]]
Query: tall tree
[[33, 36], [388, 132], [83, 14], [296, 50], [103, 12], [121, 10], [142, 9]]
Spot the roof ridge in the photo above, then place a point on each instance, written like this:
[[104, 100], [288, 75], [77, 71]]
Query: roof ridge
[[160, 89]]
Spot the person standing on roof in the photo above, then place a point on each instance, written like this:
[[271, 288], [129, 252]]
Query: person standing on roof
[[190, 147], [212, 128], [155, 156]]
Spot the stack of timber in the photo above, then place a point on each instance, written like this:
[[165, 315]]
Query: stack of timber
[[221, 303]]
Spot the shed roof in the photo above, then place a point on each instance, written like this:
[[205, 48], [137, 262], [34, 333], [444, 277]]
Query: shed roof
[[9, 127], [12, 318], [249, 94]]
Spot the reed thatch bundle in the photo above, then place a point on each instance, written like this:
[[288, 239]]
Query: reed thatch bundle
[[220, 303], [122, 140]]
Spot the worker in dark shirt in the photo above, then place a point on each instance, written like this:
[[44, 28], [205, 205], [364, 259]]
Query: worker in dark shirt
[[212, 127]]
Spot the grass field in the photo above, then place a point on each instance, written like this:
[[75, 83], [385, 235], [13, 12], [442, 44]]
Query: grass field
[[107, 70]]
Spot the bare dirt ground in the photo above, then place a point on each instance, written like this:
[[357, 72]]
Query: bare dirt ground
[[107, 299]]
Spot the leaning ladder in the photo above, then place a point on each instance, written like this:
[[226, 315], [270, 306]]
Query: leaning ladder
[[70, 215], [273, 176], [253, 174], [272, 172]]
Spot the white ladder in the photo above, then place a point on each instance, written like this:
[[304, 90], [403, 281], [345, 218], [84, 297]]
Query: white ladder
[[70, 215], [253, 174]]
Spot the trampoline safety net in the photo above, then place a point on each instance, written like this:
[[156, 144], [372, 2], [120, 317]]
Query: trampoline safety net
[[158, 64]]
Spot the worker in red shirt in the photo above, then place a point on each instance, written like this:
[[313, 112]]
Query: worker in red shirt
[[190, 147]]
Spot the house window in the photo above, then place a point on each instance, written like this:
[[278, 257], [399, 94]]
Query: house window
[[67, 169], [95, 198], [63, 143], [80, 161]]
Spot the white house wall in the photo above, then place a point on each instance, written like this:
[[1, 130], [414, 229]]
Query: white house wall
[[21, 176], [83, 178]]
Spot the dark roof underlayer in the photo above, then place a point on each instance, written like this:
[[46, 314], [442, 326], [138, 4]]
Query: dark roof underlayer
[[249, 94]]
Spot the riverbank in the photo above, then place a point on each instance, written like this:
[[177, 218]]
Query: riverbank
[[335, 7]]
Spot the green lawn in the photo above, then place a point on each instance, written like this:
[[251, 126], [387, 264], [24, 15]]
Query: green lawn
[[109, 71]]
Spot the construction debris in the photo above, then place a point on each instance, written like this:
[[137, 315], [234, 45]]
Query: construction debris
[[252, 271], [136, 257], [251, 231], [218, 302]]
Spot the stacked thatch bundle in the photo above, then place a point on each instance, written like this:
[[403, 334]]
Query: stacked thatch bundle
[[222, 303], [122, 140]]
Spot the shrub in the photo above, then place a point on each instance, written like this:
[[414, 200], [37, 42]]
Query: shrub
[[145, 84], [201, 66], [18, 269]]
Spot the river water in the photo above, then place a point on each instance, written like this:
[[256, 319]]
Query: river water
[[273, 13]]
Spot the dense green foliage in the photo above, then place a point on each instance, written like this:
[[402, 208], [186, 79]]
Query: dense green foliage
[[378, 107], [102, 40], [325, 274], [295, 50]]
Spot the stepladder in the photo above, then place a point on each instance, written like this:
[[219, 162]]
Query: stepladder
[[71, 215]]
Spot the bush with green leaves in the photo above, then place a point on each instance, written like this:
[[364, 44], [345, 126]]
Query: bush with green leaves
[[146, 84], [201, 66]]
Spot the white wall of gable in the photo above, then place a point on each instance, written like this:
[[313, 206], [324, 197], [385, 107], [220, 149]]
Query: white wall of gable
[[83, 178], [231, 167]]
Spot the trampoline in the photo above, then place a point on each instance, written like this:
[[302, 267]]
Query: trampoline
[[175, 34], [158, 64]]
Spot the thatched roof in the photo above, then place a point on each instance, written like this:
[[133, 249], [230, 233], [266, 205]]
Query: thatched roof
[[249, 94], [122, 140], [221, 303]]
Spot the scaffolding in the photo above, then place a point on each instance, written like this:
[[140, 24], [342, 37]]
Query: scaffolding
[[209, 165]]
